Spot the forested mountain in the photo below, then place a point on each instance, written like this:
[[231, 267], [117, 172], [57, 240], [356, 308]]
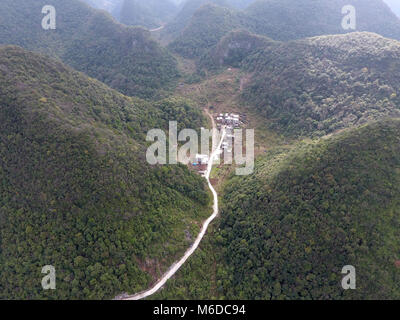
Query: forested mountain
[[183, 18], [295, 19], [90, 41], [206, 28], [291, 227], [233, 48], [280, 20], [308, 210], [320, 85], [147, 13], [189, 7], [76, 191]]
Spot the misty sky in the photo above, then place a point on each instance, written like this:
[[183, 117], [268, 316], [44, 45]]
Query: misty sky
[[395, 5], [110, 4]]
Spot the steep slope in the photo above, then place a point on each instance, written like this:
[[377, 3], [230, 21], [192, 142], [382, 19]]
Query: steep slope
[[76, 191], [92, 42], [147, 13], [182, 19], [323, 84], [295, 19], [233, 48], [293, 225], [287, 231], [206, 28], [280, 20]]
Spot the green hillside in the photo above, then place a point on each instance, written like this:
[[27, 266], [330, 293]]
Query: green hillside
[[323, 84], [291, 227], [287, 231], [182, 19], [196, 28], [289, 19], [206, 28], [126, 59], [76, 191], [233, 48]]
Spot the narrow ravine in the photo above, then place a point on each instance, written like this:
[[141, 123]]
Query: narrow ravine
[[177, 265]]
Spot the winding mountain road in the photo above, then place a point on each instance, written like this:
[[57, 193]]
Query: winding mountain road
[[157, 29], [176, 266]]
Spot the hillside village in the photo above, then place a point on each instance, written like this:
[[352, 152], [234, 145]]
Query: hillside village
[[229, 121]]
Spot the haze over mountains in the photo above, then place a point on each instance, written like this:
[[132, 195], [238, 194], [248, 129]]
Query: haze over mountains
[[140, 10], [76, 190], [394, 5], [146, 13], [279, 20], [150, 13]]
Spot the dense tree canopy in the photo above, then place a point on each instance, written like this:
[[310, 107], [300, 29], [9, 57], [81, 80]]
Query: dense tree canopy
[[287, 231], [75, 189], [320, 85], [125, 58], [208, 25]]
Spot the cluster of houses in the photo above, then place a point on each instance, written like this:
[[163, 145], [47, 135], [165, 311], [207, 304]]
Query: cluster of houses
[[229, 121]]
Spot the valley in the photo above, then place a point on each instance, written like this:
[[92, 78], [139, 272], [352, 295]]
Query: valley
[[79, 104]]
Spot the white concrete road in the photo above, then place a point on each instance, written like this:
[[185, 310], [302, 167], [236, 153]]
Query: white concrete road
[[157, 29], [176, 266]]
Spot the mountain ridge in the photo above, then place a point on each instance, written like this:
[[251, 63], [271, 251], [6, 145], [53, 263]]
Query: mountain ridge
[[91, 41], [76, 189], [323, 84]]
